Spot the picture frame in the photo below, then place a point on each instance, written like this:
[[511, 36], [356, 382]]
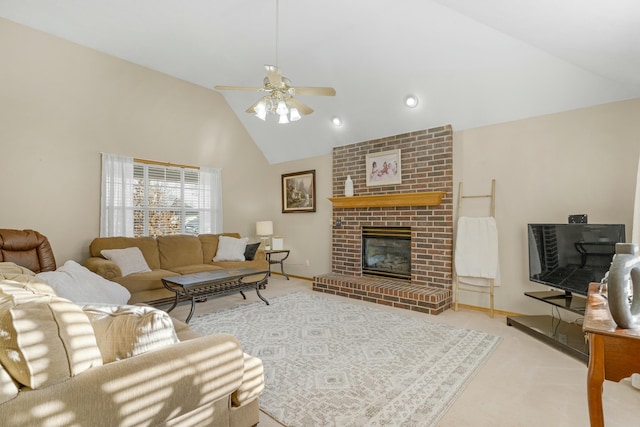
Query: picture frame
[[299, 192], [384, 168]]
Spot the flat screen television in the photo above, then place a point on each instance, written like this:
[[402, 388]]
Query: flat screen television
[[570, 256]]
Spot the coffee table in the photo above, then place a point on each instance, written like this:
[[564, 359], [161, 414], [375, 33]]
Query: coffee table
[[214, 284]]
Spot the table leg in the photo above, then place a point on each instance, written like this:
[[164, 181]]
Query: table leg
[[261, 283], [282, 270], [595, 378], [175, 301], [193, 309], [269, 262]]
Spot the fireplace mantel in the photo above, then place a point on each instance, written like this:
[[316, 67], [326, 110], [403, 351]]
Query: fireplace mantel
[[430, 198]]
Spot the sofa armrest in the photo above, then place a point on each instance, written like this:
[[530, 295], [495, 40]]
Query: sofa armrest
[[147, 389], [103, 267], [252, 381], [260, 255]]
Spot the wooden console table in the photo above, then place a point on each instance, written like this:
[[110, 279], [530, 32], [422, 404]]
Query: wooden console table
[[614, 352]]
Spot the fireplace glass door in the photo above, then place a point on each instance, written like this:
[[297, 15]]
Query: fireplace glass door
[[386, 252]]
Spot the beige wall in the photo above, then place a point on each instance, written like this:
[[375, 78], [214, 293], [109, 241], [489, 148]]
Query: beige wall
[[62, 104], [546, 168], [307, 235]]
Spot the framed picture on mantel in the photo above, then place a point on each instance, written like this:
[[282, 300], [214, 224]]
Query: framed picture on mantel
[[299, 192], [384, 168]]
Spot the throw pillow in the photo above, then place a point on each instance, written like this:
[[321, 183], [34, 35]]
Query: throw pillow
[[7, 267], [128, 330], [24, 284], [129, 260], [250, 251], [80, 285], [45, 340], [231, 249]]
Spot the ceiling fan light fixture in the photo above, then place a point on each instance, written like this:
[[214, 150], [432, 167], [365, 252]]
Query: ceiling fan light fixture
[[283, 119], [411, 101], [337, 121], [261, 110], [282, 109], [294, 115]]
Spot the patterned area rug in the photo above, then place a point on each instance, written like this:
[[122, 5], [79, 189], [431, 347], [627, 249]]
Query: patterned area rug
[[335, 363]]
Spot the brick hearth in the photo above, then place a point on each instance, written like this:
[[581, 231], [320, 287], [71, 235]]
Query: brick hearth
[[427, 166]]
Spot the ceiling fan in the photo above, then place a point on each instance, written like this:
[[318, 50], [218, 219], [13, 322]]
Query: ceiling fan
[[280, 98]]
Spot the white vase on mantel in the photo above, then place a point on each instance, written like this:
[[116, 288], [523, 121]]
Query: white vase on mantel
[[348, 187]]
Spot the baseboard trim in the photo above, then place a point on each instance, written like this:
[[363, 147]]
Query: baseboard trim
[[487, 310], [310, 279]]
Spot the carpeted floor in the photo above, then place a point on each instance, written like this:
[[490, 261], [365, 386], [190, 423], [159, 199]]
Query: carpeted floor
[[334, 363]]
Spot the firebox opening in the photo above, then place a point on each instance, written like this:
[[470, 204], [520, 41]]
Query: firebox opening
[[386, 252]]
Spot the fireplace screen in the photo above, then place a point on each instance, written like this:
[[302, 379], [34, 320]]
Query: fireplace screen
[[386, 251]]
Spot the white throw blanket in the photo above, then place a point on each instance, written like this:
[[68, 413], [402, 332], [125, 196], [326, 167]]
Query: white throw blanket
[[476, 255]]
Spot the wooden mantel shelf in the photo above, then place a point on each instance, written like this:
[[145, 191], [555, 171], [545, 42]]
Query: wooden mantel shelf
[[431, 198]]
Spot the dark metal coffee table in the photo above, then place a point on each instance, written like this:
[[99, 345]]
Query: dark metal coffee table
[[215, 283]]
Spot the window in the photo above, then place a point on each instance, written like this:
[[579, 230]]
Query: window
[[160, 199]]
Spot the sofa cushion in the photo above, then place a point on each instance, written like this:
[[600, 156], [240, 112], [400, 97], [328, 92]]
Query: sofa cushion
[[197, 268], [13, 268], [147, 245], [12, 282], [76, 283], [179, 250], [128, 260], [231, 249], [8, 386], [45, 339], [128, 330]]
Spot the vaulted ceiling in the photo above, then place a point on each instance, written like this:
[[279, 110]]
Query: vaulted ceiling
[[471, 63]]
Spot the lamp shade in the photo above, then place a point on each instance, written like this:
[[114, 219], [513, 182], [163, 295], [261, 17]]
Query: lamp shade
[[264, 228]]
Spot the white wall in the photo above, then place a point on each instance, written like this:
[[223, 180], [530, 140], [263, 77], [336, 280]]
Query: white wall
[[307, 235]]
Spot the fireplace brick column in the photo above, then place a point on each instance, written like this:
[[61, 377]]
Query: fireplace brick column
[[427, 165]]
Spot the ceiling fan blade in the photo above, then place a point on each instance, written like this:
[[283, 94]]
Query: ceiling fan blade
[[302, 108], [274, 75], [254, 89], [317, 91]]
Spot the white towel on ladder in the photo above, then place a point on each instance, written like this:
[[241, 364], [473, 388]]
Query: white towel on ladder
[[476, 255]]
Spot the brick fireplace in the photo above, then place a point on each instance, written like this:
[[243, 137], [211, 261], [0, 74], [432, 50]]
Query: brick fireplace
[[426, 167]]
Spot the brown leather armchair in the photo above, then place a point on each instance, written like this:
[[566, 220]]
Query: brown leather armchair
[[27, 248]]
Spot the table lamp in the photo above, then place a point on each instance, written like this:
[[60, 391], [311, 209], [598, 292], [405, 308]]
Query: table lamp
[[264, 229]]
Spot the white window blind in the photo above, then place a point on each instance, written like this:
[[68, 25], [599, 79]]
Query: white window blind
[[168, 199]]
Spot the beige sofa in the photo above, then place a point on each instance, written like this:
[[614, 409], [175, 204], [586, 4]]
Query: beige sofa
[[55, 370], [165, 256]]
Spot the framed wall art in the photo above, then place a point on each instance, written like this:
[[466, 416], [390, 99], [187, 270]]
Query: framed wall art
[[384, 168], [299, 192]]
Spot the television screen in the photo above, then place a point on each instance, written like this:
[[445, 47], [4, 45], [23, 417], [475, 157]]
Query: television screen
[[570, 256]]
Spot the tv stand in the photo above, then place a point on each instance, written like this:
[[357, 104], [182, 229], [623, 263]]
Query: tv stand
[[566, 337]]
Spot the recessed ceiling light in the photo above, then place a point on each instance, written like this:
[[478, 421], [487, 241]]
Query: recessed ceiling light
[[411, 101], [337, 121]]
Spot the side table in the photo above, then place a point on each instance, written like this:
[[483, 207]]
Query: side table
[[277, 260], [613, 351]]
